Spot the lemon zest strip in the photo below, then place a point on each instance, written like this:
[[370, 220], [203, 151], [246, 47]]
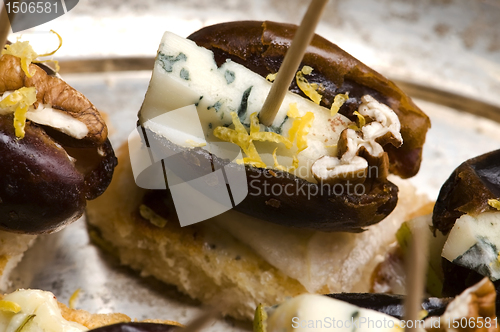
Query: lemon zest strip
[[495, 203], [244, 140], [271, 77], [309, 89], [9, 306], [27, 55], [361, 119], [19, 101], [73, 298], [338, 101]]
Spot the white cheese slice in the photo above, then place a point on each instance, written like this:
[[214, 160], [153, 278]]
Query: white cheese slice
[[39, 313], [186, 74], [310, 312], [65, 123], [474, 243], [44, 114], [323, 262]]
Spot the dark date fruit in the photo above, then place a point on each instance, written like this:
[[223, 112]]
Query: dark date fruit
[[468, 190], [44, 184], [136, 327], [261, 47]]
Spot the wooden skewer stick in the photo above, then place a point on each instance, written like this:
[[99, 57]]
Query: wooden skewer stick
[[4, 24], [416, 271], [291, 62]]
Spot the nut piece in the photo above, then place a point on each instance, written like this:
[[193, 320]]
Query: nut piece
[[54, 92], [332, 170], [468, 190], [359, 149], [63, 158], [476, 304]]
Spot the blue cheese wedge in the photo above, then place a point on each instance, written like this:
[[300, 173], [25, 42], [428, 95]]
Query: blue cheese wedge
[[186, 74], [474, 243], [34, 311]]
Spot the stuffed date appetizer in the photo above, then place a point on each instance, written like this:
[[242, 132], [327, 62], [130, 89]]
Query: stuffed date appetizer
[[468, 212], [340, 131], [343, 127], [54, 148]]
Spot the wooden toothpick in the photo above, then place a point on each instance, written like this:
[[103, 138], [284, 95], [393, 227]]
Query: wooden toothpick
[[416, 270], [291, 62], [4, 24]]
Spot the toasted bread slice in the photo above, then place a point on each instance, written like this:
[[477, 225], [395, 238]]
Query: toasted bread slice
[[241, 273], [12, 248]]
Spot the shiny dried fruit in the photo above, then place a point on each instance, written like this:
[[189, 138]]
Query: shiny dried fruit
[[468, 190]]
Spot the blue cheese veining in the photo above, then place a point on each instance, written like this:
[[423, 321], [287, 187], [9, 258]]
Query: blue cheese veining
[[186, 74], [474, 243]]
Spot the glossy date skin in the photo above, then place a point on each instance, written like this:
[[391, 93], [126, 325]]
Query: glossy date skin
[[137, 327], [468, 190], [261, 46], [42, 188], [47, 176], [300, 204]]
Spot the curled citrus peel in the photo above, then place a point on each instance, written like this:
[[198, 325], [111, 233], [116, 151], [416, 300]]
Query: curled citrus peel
[[244, 139], [25, 52], [18, 102], [9, 306], [361, 122], [494, 203], [338, 101], [309, 89], [298, 131]]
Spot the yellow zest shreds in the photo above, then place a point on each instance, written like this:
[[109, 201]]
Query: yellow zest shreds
[[25, 52], [361, 119], [244, 140], [271, 137], [309, 89], [254, 124], [58, 47], [271, 77], [73, 298], [495, 203], [295, 162], [240, 139], [307, 70], [10, 306], [300, 126], [276, 163], [338, 101], [304, 125], [19, 101], [298, 130]]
